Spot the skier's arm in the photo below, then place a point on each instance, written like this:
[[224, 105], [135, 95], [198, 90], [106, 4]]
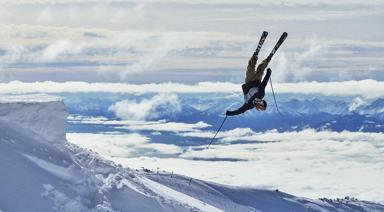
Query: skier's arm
[[243, 87], [266, 78], [241, 110]]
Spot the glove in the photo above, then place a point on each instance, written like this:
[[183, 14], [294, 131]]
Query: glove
[[269, 70], [229, 113]]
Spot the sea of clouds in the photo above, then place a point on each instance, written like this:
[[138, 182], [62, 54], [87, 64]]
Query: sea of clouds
[[302, 160], [308, 162]]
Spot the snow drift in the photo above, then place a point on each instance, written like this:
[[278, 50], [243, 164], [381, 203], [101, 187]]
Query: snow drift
[[41, 171], [44, 115]]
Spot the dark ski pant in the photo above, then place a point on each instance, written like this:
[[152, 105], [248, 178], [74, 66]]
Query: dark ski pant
[[251, 74]]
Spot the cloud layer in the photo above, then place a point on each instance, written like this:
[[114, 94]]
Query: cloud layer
[[180, 41], [162, 105], [112, 145], [366, 88], [308, 163]]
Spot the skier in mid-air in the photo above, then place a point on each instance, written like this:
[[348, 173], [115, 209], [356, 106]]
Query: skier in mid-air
[[254, 86]]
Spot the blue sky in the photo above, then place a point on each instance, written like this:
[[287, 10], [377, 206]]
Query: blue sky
[[188, 41]]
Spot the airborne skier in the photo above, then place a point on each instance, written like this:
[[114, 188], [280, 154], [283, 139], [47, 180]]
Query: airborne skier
[[254, 88]]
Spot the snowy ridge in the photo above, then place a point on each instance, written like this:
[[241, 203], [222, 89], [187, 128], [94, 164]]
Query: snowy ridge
[[44, 115], [42, 172]]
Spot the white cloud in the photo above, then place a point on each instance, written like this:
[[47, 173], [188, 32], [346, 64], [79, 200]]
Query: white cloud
[[167, 126], [58, 48], [246, 134], [106, 121], [112, 144], [177, 39], [297, 70], [368, 88], [357, 102], [138, 51], [159, 51], [307, 163], [156, 126], [86, 119], [159, 106], [122, 145], [263, 2], [236, 134]]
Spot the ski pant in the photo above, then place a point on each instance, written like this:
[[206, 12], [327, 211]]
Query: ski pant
[[251, 74]]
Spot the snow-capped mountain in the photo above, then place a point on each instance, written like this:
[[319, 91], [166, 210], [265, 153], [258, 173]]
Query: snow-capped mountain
[[375, 109], [41, 171], [297, 111]]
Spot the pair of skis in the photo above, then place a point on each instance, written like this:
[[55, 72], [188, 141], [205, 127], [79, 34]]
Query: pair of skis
[[277, 45]]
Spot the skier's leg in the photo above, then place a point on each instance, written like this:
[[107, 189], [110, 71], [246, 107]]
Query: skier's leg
[[260, 69], [250, 74]]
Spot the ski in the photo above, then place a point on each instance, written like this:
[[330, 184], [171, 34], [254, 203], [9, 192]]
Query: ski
[[278, 44], [262, 39]]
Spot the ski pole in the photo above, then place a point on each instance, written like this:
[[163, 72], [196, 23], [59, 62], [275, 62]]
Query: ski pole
[[274, 98], [222, 123]]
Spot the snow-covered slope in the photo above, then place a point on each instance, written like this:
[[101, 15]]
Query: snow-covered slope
[[42, 114], [41, 171]]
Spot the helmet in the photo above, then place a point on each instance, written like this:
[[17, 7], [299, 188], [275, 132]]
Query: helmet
[[260, 104]]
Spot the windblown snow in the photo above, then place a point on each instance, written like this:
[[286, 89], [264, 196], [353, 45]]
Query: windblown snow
[[41, 171]]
